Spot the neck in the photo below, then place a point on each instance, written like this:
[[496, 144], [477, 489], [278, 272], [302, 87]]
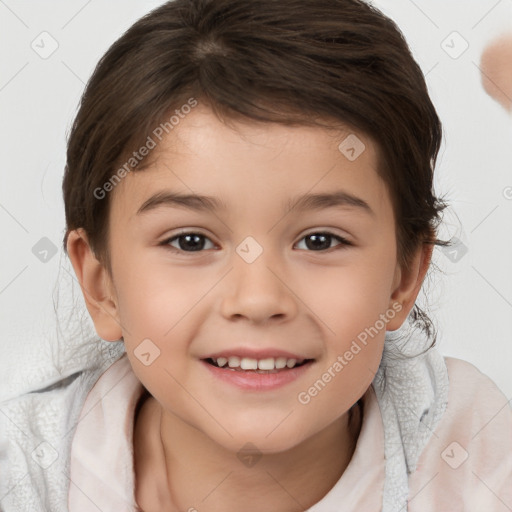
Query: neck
[[200, 474]]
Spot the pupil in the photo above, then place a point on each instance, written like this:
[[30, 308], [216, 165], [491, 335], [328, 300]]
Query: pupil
[[191, 242], [324, 243]]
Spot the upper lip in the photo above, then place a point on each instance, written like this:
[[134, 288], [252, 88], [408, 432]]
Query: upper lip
[[255, 354]]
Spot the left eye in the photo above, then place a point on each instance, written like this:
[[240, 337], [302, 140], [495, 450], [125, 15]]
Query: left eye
[[322, 240], [195, 242]]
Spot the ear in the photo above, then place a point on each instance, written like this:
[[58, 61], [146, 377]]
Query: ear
[[96, 284], [407, 285]]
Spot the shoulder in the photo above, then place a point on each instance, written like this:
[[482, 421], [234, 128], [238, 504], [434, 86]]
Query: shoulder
[[468, 459], [477, 409], [478, 413], [36, 430], [471, 387]]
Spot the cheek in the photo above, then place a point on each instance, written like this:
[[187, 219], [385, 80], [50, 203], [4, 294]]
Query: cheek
[[153, 313], [153, 297], [353, 354], [352, 305], [348, 299]]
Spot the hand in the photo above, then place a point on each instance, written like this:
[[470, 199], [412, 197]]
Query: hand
[[496, 68]]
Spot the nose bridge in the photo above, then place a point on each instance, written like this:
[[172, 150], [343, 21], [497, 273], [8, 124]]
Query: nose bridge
[[256, 289]]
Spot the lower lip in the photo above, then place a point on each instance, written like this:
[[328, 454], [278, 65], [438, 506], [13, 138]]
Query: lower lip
[[254, 381]]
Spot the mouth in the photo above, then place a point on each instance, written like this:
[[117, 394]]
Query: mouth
[[250, 365]]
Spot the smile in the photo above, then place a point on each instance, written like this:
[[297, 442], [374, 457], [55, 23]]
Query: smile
[[267, 365], [257, 374]]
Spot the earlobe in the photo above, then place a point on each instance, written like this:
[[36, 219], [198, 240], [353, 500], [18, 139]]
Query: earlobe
[[96, 286], [408, 284]]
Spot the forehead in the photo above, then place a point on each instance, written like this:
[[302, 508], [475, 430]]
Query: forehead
[[243, 162]]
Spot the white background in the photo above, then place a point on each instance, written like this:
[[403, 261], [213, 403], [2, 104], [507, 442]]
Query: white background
[[469, 299]]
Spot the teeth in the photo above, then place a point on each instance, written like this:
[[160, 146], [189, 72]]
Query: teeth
[[266, 364], [221, 361], [233, 362], [247, 363], [280, 362]]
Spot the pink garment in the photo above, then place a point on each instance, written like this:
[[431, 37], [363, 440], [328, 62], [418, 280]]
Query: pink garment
[[101, 466], [467, 463], [478, 421]]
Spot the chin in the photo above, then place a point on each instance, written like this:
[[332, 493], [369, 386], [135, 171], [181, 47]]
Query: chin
[[262, 440], [244, 446]]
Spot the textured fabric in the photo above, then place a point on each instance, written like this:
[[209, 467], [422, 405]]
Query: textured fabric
[[412, 389], [36, 430]]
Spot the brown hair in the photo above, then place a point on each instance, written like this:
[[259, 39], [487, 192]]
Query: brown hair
[[310, 62]]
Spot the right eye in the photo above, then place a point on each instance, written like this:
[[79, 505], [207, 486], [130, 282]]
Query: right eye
[[187, 242]]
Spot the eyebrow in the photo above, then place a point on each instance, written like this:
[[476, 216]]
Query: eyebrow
[[339, 198], [196, 202]]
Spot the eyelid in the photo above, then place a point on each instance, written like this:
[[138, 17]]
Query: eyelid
[[186, 231], [327, 231]]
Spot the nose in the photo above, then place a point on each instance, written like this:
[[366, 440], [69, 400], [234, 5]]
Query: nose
[[258, 291]]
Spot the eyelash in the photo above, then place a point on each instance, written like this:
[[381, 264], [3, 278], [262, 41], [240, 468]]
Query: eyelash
[[343, 241]]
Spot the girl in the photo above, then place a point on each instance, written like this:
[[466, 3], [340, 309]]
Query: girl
[[250, 209]]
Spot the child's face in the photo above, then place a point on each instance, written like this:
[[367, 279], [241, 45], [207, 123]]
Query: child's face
[[306, 296]]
